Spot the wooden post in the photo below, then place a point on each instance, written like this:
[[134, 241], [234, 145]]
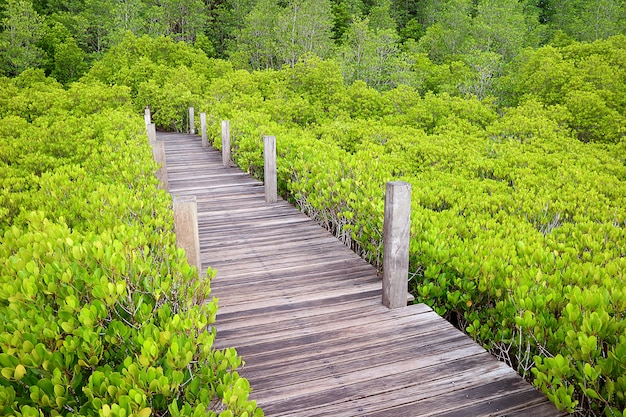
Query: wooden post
[[147, 117], [205, 141], [192, 126], [271, 193], [186, 229], [397, 228], [158, 152], [226, 143], [151, 133]]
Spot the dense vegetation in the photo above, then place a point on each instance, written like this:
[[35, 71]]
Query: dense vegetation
[[507, 117], [382, 42], [100, 314]]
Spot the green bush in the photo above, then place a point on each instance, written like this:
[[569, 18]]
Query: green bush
[[587, 79], [100, 313]]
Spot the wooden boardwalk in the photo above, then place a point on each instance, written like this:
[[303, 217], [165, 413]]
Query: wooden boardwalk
[[305, 313]]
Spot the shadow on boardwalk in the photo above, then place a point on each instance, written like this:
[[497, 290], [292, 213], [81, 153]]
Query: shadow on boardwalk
[[306, 315]]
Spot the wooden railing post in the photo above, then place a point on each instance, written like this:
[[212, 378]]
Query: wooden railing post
[[151, 128], [147, 117], [226, 143], [269, 153], [205, 140], [192, 126], [158, 152], [186, 229], [397, 228]]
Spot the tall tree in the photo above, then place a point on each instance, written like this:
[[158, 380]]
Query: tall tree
[[434, 11], [355, 52], [344, 13], [450, 32], [371, 54], [589, 20], [52, 6], [305, 27], [380, 16], [128, 15], [256, 41], [23, 28], [183, 19], [95, 22], [69, 61], [404, 10], [226, 20], [501, 26]]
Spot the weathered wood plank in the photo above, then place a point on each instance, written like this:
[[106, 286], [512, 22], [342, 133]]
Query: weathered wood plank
[[353, 359], [396, 388], [511, 391], [338, 327], [542, 409]]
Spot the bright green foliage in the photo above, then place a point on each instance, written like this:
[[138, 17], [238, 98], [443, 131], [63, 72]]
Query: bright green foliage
[[450, 34], [588, 80], [181, 19], [69, 61], [94, 21], [304, 29], [162, 74], [100, 313], [104, 24], [501, 27]]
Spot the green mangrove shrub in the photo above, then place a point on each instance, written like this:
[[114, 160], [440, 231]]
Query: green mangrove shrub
[[100, 313]]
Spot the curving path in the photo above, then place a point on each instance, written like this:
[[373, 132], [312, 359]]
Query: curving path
[[305, 313]]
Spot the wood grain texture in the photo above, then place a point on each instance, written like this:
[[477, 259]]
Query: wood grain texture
[[186, 228], [305, 313], [203, 132], [226, 143], [396, 239]]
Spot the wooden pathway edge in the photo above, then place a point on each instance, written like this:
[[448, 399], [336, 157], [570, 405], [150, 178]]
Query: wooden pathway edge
[[305, 313]]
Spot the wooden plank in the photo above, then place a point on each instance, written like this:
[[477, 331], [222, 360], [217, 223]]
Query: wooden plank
[[338, 327], [512, 390], [238, 271], [228, 322], [265, 283], [333, 381], [321, 344], [284, 301], [395, 389], [542, 409], [351, 358], [237, 311]]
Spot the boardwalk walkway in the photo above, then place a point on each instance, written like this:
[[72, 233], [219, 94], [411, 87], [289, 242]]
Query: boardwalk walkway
[[305, 313]]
